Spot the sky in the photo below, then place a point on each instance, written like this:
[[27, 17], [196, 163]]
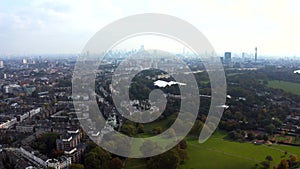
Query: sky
[[65, 26]]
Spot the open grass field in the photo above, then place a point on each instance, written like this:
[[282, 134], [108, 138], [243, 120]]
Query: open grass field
[[220, 153], [286, 86], [233, 74]]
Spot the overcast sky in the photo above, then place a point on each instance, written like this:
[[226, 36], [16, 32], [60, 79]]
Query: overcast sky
[[65, 26]]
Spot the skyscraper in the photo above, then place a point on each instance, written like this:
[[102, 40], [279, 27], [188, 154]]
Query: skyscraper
[[227, 56], [222, 60], [24, 61], [1, 64], [255, 54], [142, 48]]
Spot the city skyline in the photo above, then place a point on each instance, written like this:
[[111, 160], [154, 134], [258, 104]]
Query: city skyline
[[63, 27]]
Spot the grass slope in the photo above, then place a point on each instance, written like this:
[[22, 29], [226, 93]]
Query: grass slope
[[286, 86], [219, 153]]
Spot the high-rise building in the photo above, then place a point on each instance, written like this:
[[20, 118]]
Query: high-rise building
[[142, 48], [222, 60], [255, 54], [227, 57], [24, 61], [1, 64]]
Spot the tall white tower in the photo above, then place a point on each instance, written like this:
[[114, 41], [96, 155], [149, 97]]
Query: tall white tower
[[1, 64], [255, 54], [24, 61]]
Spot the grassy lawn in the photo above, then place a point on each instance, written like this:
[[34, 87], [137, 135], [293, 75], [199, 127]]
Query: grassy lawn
[[286, 86], [287, 139], [233, 74], [219, 153], [164, 124], [135, 164], [163, 142]]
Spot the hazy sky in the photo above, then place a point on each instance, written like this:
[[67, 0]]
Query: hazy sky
[[64, 26]]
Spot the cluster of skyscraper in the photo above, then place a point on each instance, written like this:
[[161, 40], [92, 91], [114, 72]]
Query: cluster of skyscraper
[[226, 60]]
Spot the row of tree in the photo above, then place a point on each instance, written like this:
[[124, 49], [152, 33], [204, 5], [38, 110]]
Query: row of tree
[[285, 163]]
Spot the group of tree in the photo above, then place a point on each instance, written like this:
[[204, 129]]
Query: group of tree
[[267, 163], [169, 160], [289, 163], [46, 144], [286, 163], [76, 166], [256, 111], [240, 135], [98, 158]]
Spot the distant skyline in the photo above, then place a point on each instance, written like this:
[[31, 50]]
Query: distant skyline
[[64, 26]]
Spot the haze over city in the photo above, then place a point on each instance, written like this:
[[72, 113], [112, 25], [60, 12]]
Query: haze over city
[[64, 27]]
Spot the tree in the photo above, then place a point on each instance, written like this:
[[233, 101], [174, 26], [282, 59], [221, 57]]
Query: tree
[[171, 133], [251, 136], [266, 164], [76, 166], [293, 160], [149, 147], [167, 160], [128, 129], [97, 159], [56, 153], [46, 143], [265, 137], [157, 130], [270, 128], [116, 163], [196, 127], [122, 144], [269, 158], [140, 128], [235, 135], [183, 155], [259, 137], [284, 164], [277, 122], [182, 144], [91, 161]]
